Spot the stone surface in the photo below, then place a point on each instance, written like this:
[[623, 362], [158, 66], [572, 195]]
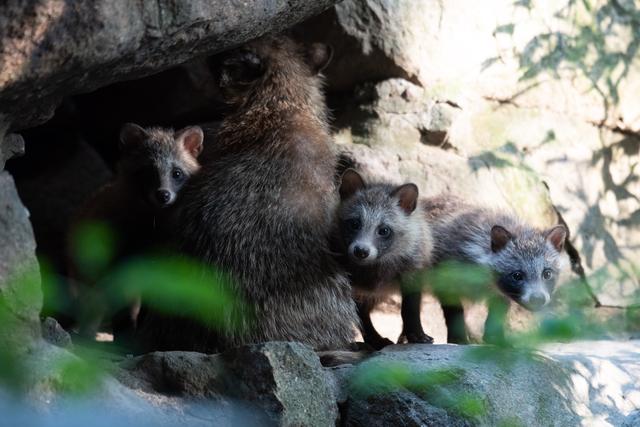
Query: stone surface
[[286, 379], [62, 389], [55, 48], [580, 383], [12, 145], [282, 380], [384, 135], [20, 293], [54, 334]]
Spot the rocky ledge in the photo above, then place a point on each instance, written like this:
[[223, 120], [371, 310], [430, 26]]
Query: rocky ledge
[[283, 383]]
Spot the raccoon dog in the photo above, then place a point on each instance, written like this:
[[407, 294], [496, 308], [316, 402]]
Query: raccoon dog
[[154, 166], [382, 235], [525, 261]]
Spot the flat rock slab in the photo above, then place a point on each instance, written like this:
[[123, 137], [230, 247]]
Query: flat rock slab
[[57, 48]]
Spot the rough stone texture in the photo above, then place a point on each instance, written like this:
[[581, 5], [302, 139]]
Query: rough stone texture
[[398, 408], [20, 293], [581, 383], [54, 48], [384, 133], [54, 334], [55, 394], [182, 373], [12, 145], [284, 380]]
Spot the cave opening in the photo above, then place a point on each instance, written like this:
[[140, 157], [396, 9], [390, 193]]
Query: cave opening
[[72, 155]]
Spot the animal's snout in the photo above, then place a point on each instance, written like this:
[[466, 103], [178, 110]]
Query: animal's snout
[[163, 197], [361, 252]]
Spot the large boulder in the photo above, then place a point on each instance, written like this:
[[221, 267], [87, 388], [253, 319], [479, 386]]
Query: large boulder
[[20, 293], [59, 387], [563, 384], [52, 48], [283, 381]]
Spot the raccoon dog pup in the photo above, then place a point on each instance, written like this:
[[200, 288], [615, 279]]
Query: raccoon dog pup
[[154, 165], [382, 234], [261, 208], [525, 261]]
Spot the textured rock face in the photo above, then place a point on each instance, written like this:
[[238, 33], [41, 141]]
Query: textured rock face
[[54, 334], [590, 383], [282, 380], [565, 384], [54, 48], [20, 293]]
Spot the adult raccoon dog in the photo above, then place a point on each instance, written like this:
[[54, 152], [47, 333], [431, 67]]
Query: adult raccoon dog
[[382, 235], [261, 208], [154, 166], [524, 260]]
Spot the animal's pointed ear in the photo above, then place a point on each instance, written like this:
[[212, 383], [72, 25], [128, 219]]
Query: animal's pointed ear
[[240, 67], [350, 183], [407, 195], [500, 236], [131, 135], [319, 56], [191, 139], [557, 236]]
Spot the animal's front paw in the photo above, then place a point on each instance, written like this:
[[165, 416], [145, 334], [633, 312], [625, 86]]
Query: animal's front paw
[[378, 342], [416, 338]]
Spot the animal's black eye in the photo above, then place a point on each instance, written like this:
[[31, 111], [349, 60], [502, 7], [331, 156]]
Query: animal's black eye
[[547, 274], [177, 174], [518, 276], [384, 231], [354, 224]]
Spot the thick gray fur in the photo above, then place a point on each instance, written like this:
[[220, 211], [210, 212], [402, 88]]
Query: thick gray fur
[[261, 211]]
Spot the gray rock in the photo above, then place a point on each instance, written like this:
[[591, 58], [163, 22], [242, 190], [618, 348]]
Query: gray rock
[[62, 389], [398, 408], [20, 293], [188, 374], [53, 49], [283, 380], [562, 384], [373, 40], [55, 334], [11, 145]]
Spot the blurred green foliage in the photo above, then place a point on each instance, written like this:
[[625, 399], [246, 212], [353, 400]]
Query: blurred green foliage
[[169, 284]]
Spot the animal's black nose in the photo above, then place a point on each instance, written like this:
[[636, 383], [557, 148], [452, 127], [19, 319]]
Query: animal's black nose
[[163, 196], [537, 300], [360, 252]]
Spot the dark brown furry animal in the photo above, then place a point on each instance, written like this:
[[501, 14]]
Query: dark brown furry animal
[[382, 236], [262, 206], [154, 166]]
